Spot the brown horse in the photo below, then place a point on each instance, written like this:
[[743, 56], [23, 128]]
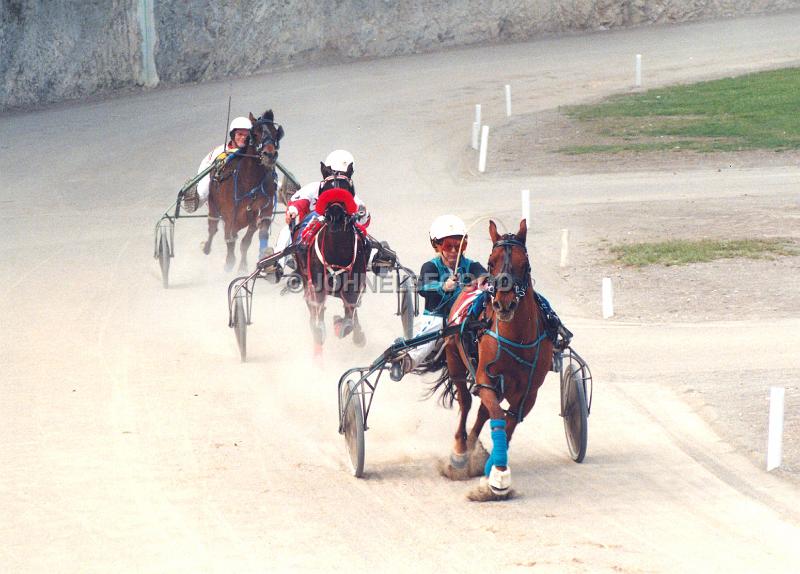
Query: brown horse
[[514, 357], [243, 191], [335, 261]]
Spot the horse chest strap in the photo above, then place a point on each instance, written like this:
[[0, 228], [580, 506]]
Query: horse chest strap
[[335, 270]]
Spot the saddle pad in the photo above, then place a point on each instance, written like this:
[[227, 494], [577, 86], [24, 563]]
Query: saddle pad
[[465, 305]]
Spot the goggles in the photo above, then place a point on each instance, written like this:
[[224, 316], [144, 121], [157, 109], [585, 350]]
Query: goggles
[[453, 244]]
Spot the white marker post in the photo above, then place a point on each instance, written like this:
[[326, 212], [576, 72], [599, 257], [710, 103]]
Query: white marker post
[[526, 206], [476, 126], [775, 433], [638, 81], [608, 298], [508, 100], [484, 146], [564, 247]]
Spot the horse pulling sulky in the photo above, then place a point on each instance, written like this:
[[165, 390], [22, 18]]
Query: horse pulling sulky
[[495, 345], [331, 260], [243, 193]]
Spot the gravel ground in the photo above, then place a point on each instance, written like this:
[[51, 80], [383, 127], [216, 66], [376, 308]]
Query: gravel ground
[[721, 290]]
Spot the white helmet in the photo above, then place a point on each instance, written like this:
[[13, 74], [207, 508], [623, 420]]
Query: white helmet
[[447, 226], [339, 160], [240, 123]]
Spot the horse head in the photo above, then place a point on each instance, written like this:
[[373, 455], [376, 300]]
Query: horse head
[[510, 270], [266, 136], [336, 217]]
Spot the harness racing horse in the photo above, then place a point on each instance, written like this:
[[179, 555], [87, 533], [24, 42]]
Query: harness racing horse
[[514, 357], [334, 260], [243, 191]]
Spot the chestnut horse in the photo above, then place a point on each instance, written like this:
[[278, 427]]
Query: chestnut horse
[[243, 191], [335, 260], [514, 357]]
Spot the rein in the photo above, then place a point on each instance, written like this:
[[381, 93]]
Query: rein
[[512, 348], [257, 190]]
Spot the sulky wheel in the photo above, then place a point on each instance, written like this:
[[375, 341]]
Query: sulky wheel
[[575, 411], [407, 307], [240, 326], [353, 427], [163, 255]]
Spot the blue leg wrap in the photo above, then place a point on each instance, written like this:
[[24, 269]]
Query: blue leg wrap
[[499, 456], [263, 243]]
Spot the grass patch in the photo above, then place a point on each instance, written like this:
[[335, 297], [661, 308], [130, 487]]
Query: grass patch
[[754, 111], [682, 252]]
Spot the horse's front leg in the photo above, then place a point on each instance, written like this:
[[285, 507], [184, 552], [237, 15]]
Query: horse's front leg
[[496, 482], [264, 225], [350, 290], [359, 339], [244, 245]]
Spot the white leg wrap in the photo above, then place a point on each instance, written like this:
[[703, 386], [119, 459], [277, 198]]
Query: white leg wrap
[[500, 480]]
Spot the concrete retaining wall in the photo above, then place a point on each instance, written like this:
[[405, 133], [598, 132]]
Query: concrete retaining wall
[[53, 50]]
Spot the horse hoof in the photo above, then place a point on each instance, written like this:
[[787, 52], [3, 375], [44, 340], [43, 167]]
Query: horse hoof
[[456, 467], [485, 493], [500, 480], [358, 338], [477, 459], [342, 327], [317, 351], [206, 248]]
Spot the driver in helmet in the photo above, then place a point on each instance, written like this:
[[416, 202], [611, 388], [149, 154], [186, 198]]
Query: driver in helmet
[[239, 134], [300, 210], [339, 162], [440, 282]]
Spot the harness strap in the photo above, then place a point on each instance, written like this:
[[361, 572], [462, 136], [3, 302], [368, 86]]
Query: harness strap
[[335, 270]]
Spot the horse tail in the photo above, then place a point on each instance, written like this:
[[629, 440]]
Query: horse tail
[[442, 384]]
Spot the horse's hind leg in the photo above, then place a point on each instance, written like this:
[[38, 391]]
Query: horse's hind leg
[[213, 226], [477, 453], [315, 300], [244, 245], [457, 466]]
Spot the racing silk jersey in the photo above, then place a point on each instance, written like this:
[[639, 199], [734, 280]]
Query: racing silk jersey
[[305, 200], [431, 280], [215, 153]]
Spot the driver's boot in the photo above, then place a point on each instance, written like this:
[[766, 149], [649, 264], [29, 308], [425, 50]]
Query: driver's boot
[[400, 367]]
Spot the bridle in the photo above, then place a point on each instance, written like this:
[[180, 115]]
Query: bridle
[[336, 217], [332, 181], [505, 280], [267, 148]]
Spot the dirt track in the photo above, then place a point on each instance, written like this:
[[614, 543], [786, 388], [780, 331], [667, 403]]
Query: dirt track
[[134, 440]]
